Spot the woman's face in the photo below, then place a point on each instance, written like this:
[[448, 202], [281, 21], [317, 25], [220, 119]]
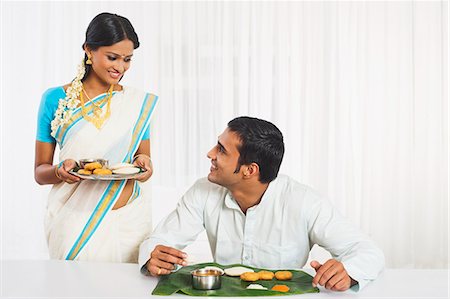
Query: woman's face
[[109, 63]]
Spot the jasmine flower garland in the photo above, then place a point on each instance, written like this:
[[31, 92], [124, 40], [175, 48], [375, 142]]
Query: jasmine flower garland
[[70, 102]]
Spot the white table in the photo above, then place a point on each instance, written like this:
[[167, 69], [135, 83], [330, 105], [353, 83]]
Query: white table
[[62, 279]]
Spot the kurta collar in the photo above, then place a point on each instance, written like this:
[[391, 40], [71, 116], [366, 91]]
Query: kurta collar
[[231, 203]]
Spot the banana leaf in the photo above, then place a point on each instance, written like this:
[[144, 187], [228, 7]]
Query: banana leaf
[[181, 282]]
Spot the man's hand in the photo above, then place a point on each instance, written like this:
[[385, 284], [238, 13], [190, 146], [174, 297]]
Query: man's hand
[[332, 275], [163, 260]]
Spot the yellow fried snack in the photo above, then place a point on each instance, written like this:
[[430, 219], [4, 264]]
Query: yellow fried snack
[[283, 275], [281, 287], [102, 171], [265, 275], [92, 166], [84, 171], [249, 276]]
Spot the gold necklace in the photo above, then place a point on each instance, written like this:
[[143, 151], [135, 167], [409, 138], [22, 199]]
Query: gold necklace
[[100, 103], [97, 119]]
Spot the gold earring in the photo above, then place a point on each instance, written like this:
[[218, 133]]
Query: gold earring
[[89, 61]]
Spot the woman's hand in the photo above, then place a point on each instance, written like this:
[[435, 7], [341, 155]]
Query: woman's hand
[[145, 162], [63, 172]]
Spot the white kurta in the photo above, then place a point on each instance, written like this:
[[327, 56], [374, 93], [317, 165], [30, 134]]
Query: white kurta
[[278, 233]]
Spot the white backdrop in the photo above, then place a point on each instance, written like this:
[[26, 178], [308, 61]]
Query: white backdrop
[[359, 90]]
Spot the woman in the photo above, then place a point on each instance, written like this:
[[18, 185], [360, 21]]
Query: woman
[[95, 117]]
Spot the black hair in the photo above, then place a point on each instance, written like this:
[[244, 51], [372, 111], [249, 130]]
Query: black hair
[[107, 29], [261, 143]]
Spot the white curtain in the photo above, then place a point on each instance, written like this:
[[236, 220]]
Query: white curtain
[[359, 90]]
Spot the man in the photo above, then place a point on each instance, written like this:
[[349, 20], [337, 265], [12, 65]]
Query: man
[[256, 218]]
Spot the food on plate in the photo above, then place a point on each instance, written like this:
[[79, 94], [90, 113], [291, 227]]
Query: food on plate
[[237, 271], [255, 286], [265, 275], [102, 171], [100, 167], [283, 275], [93, 165], [250, 276], [121, 165], [280, 288], [84, 172], [127, 170]]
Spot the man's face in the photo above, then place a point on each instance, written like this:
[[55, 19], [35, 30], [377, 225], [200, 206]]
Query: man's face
[[224, 160]]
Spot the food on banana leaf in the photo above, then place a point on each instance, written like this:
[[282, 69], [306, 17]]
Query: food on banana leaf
[[214, 269], [237, 271], [250, 276], [283, 275], [255, 286], [265, 275], [280, 288], [181, 282]]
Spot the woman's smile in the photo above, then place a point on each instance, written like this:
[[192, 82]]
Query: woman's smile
[[114, 74]]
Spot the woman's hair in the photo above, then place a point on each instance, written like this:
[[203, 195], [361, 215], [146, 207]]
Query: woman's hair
[[107, 29]]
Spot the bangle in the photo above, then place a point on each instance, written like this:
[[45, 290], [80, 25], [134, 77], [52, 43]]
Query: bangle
[[143, 155], [56, 172]]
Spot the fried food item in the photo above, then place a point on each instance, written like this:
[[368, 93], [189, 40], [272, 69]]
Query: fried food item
[[283, 275], [280, 288], [102, 171], [249, 276], [265, 275], [84, 171], [93, 165]]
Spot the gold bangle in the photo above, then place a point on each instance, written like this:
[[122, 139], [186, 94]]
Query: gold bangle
[[135, 157], [56, 172]]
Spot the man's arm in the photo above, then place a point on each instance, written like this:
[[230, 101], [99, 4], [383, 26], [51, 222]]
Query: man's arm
[[355, 257], [180, 228]]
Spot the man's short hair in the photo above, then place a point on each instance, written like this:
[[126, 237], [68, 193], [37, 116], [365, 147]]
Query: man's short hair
[[261, 143]]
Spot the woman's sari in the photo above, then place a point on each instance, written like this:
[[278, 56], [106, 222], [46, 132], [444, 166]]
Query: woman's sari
[[80, 223]]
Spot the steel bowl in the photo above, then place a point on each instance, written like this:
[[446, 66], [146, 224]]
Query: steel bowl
[[206, 279], [83, 162]]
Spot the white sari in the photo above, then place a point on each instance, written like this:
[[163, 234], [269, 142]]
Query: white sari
[[80, 223]]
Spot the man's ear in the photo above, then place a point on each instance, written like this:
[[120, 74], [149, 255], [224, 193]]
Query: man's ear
[[251, 170]]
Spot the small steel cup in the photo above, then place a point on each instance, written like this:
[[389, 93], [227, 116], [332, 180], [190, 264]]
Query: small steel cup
[[206, 279], [83, 162]]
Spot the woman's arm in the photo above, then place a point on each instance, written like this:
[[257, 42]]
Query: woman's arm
[[46, 173], [142, 158]]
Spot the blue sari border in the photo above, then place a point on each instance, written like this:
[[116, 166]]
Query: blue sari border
[[77, 247]]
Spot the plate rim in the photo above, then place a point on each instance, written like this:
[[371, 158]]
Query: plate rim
[[109, 177]]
